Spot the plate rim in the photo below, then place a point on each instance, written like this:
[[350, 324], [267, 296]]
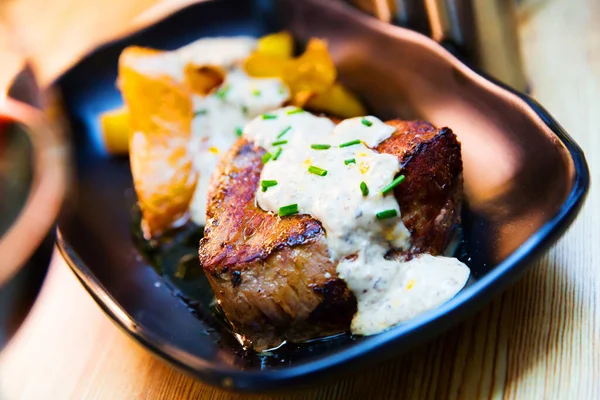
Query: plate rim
[[368, 352]]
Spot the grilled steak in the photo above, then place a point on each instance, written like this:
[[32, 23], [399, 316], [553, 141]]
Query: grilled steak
[[273, 276]]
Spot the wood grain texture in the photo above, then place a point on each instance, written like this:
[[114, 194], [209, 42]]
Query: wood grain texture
[[540, 339]]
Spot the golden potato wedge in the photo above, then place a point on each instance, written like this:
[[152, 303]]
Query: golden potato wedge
[[262, 65], [280, 44], [338, 101], [313, 70], [311, 73], [202, 79], [299, 99], [115, 128], [160, 117]]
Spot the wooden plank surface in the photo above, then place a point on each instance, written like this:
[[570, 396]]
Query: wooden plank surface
[[540, 339]]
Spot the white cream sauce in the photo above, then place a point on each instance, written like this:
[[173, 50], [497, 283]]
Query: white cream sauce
[[388, 292], [220, 115], [220, 118], [219, 51], [349, 218]]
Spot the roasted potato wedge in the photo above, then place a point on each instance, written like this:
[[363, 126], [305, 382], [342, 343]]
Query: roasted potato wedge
[[338, 101], [115, 128], [280, 44], [160, 117], [311, 73], [267, 65], [313, 70], [202, 79]]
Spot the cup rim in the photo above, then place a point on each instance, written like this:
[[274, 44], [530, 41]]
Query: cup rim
[[47, 191]]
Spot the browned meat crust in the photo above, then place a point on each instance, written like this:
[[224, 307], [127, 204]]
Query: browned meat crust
[[273, 277], [431, 195]]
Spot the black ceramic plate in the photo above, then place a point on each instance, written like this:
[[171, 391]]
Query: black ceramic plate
[[525, 181]]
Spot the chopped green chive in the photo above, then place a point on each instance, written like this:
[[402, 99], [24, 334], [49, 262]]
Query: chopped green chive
[[282, 90], [366, 122], [277, 153], [200, 112], [388, 188], [387, 214], [238, 131], [364, 189], [350, 143], [269, 116], [320, 146], [288, 210], [266, 157], [279, 142], [267, 184], [350, 161], [317, 171], [296, 111], [245, 110], [222, 92], [283, 132], [256, 92]]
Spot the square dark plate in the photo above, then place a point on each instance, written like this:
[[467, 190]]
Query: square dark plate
[[525, 181]]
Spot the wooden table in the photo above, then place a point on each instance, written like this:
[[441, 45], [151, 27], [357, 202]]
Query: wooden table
[[540, 339]]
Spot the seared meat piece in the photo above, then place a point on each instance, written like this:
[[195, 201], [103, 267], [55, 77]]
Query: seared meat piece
[[273, 276], [268, 273], [431, 195]]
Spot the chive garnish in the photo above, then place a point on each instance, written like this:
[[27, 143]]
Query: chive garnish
[[269, 116], [279, 142], [256, 92], [277, 153], [387, 214], [364, 189], [388, 188], [350, 143], [282, 90], [288, 210], [238, 131], [350, 161], [320, 146], [266, 157], [283, 132], [366, 122], [245, 110], [317, 171], [267, 184], [296, 111], [200, 112], [222, 92]]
